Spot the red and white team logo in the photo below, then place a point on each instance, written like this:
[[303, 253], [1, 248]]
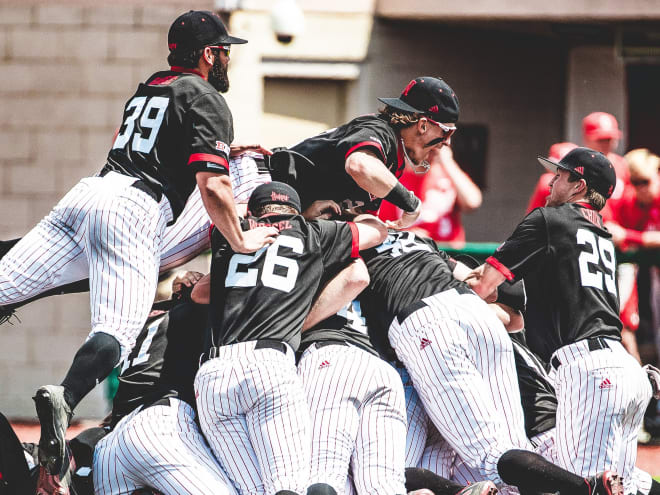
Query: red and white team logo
[[220, 146], [324, 364], [424, 344], [605, 384]]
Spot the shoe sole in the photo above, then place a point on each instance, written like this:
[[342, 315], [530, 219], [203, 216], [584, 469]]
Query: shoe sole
[[51, 442], [480, 488]]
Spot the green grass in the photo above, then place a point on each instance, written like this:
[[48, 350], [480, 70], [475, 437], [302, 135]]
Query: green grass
[[657, 478]]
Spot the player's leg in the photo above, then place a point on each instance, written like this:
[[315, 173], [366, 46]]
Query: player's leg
[[332, 390], [416, 418], [439, 457], [221, 416], [378, 463], [123, 228], [603, 435], [37, 261], [279, 422]]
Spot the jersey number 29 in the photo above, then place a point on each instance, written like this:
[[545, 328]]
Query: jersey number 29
[[151, 115], [599, 250]]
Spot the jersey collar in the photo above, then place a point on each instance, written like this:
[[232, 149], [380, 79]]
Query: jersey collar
[[583, 204], [187, 70]]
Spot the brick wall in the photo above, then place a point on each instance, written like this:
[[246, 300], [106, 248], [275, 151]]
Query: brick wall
[[67, 70]]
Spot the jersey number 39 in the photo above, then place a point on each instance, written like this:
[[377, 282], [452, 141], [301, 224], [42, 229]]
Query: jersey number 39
[[151, 115], [599, 255]]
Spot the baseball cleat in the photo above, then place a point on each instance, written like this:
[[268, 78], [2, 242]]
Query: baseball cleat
[[54, 416], [605, 483], [479, 488]]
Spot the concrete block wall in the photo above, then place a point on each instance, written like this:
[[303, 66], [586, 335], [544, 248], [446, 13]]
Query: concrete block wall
[[67, 71]]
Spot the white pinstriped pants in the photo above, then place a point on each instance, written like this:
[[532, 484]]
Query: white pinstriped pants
[[253, 412], [461, 363], [159, 447], [118, 229], [358, 419], [416, 418], [602, 396], [181, 242]]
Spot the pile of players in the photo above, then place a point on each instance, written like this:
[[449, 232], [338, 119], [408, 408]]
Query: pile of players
[[326, 351]]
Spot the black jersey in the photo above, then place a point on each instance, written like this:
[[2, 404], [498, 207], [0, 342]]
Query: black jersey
[[403, 270], [164, 361], [567, 260], [327, 178], [348, 325], [267, 294], [538, 397], [174, 126]]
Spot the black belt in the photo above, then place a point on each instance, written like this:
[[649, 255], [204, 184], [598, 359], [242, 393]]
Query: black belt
[[261, 344], [594, 344], [325, 343], [410, 309], [144, 187]]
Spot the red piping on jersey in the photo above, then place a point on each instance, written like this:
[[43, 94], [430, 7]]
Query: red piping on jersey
[[401, 160], [495, 263], [211, 231], [588, 206], [355, 249], [206, 157], [186, 69], [362, 145]]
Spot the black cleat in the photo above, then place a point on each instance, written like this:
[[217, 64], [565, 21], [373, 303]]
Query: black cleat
[[54, 416], [605, 483]]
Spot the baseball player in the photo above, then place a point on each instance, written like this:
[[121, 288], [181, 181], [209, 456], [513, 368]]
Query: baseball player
[[175, 134], [461, 363], [251, 402], [358, 163], [188, 237], [357, 404], [155, 441], [567, 260]]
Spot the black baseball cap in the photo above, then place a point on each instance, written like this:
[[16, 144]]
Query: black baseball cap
[[197, 29], [274, 192], [429, 96], [591, 165]]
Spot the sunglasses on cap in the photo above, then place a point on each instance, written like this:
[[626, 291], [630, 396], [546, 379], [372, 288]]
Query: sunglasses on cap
[[448, 132], [224, 48]]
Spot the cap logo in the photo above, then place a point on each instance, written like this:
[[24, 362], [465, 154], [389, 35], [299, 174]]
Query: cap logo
[[279, 197], [434, 109], [172, 46], [609, 191], [409, 87], [579, 170]]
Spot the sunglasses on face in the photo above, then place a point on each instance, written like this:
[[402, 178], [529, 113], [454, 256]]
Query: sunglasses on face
[[640, 182], [224, 48], [448, 132]]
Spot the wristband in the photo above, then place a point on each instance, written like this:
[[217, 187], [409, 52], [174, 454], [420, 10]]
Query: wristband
[[404, 199]]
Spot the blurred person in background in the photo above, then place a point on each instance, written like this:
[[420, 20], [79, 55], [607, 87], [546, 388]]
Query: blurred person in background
[[542, 189], [635, 223], [446, 191]]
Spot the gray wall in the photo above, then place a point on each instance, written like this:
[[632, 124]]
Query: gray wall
[[514, 84]]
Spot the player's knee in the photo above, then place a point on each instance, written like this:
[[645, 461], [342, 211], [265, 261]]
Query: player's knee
[[286, 492], [511, 463], [321, 489]]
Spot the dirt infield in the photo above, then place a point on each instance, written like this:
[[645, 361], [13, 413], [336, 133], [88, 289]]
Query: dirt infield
[[648, 457]]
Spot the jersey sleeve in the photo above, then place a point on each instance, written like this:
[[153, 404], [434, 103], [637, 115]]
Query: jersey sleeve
[[523, 250], [212, 132], [339, 242], [364, 137]]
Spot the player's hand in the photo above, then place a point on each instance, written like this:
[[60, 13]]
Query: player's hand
[[187, 279], [406, 220], [201, 293], [255, 239], [238, 149], [323, 208]]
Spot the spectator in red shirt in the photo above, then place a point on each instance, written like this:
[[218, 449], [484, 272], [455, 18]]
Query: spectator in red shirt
[[446, 191], [542, 189]]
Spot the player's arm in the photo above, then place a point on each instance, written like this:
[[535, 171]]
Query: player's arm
[[484, 280], [371, 174], [338, 292], [511, 319], [371, 231]]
